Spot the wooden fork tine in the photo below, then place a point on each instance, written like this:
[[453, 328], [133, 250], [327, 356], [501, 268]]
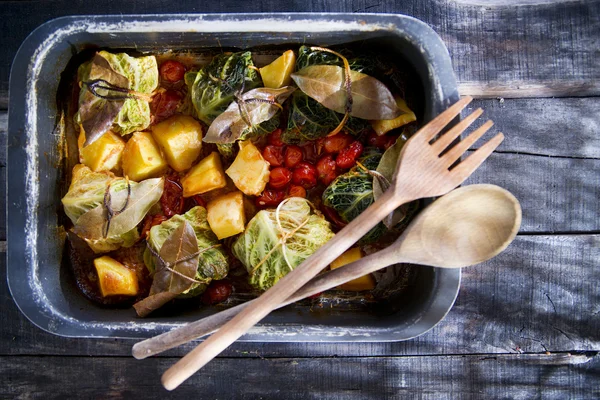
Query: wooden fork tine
[[444, 141], [458, 150], [436, 125], [466, 167]]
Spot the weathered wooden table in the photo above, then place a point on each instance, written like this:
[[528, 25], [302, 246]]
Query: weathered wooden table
[[525, 325]]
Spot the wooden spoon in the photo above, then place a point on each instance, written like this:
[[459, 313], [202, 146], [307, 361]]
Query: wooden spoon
[[467, 226]]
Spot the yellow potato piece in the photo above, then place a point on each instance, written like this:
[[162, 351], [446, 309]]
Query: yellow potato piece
[[278, 73], [249, 171], [365, 282], [205, 176], [383, 126], [226, 216], [180, 138], [102, 155], [142, 158], [115, 278]]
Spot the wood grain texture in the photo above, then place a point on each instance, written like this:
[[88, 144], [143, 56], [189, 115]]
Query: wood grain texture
[[566, 127], [540, 294], [534, 50], [556, 194], [443, 377]]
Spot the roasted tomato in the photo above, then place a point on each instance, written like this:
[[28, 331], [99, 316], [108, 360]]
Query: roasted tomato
[[270, 198], [296, 191], [305, 175], [337, 142], [293, 156], [279, 177], [383, 141], [217, 292], [172, 71], [165, 104], [312, 150], [199, 200], [326, 168], [347, 157], [172, 200], [274, 155], [275, 138]]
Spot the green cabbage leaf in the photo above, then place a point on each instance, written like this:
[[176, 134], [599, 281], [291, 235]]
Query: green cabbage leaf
[[213, 88], [123, 116], [85, 205], [265, 255], [212, 262], [352, 193]]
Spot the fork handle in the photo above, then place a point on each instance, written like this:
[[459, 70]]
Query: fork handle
[[277, 294]]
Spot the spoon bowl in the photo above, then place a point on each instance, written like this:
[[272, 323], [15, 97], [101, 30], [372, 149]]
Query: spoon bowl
[[465, 227]]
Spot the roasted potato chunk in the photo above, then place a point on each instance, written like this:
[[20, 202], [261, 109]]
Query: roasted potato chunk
[[365, 282], [249, 171], [381, 127], [278, 73], [226, 216], [102, 155], [142, 158], [180, 138], [115, 278], [205, 176]]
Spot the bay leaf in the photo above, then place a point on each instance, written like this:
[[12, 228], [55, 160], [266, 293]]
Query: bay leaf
[[96, 114], [143, 196], [175, 252], [166, 285], [231, 126], [387, 168], [372, 100]]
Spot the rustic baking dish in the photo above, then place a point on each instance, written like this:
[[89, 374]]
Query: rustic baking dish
[[42, 285]]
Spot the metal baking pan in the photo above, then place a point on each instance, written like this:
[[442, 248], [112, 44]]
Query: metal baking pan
[[43, 287]]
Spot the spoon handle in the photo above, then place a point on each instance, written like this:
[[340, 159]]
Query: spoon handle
[[205, 326]]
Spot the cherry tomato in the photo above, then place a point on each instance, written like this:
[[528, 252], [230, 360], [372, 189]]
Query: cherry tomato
[[172, 200], [279, 177], [296, 191], [305, 175], [217, 292], [165, 104], [337, 142], [172, 71], [293, 156], [326, 169], [199, 200], [382, 142], [270, 198], [150, 221], [274, 155], [275, 138], [347, 157], [333, 216], [312, 150]]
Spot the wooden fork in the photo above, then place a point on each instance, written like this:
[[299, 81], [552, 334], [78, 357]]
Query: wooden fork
[[423, 170]]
